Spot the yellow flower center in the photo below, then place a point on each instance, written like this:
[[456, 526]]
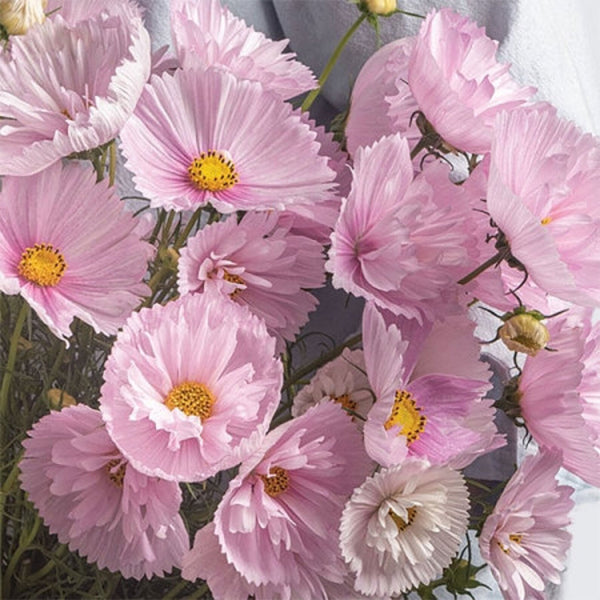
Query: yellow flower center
[[276, 482], [213, 172], [116, 471], [406, 414], [43, 264], [194, 399], [233, 278], [513, 537], [347, 404], [546, 220], [401, 524]]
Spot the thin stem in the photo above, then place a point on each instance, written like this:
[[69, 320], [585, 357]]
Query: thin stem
[[188, 228], [329, 66], [23, 546], [322, 360], [112, 163], [490, 262]]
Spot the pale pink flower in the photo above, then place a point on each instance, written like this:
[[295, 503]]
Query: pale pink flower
[[277, 522], [556, 395], [525, 540], [399, 242], [204, 136], [429, 386], [190, 387], [69, 249], [458, 83], [74, 11], [342, 380], [67, 89], [403, 526], [96, 502], [381, 101], [206, 34], [207, 560], [257, 264], [542, 196]]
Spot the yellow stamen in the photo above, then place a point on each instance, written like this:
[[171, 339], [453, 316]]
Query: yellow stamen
[[213, 172], [276, 482], [116, 475], [513, 537], [546, 220], [344, 400], [401, 524], [233, 278], [194, 399], [406, 414], [43, 264]]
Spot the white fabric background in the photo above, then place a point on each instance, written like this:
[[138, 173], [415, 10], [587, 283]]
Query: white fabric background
[[552, 44]]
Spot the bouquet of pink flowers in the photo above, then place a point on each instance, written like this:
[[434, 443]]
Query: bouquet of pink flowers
[[168, 426]]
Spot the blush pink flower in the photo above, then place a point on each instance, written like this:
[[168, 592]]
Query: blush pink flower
[[206, 34], [525, 539], [69, 88], [69, 249], [207, 560], [96, 502], [343, 380], [74, 11], [458, 83], [556, 396], [399, 242], [381, 102], [403, 526], [257, 264], [204, 136], [190, 387], [542, 196], [429, 386], [277, 522]]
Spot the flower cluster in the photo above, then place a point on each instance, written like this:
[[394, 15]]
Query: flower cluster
[[167, 341]]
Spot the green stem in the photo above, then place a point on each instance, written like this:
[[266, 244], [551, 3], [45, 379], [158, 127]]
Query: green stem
[[322, 360], [10, 366], [490, 262], [112, 163], [188, 228], [329, 66], [175, 590], [23, 546]]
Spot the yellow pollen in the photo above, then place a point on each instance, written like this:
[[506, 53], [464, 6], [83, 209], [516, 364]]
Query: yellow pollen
[[116, 475], [546, 220], [516, 537], [406, 414], [346, 403], [213, 172], [276, 482], [233, 278], [43, 264], [194, 399], [401, 524]]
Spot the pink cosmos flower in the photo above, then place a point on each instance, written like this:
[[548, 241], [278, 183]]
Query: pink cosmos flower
[[399, 242], [524, 540], [74, 11], [206, 34], [204, 136], [69, 88], [190, 387], [556, 394], [381, 102], [403, 525], [342, 380], [458, 83], [542, 196], [429, 386], [258, 264], [96, 502], [207, 560], [69, 249], [278, 520]]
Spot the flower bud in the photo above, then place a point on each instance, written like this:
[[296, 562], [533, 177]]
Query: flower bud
[[17, 16], [524, 333], [59, 399], [381, 7]]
